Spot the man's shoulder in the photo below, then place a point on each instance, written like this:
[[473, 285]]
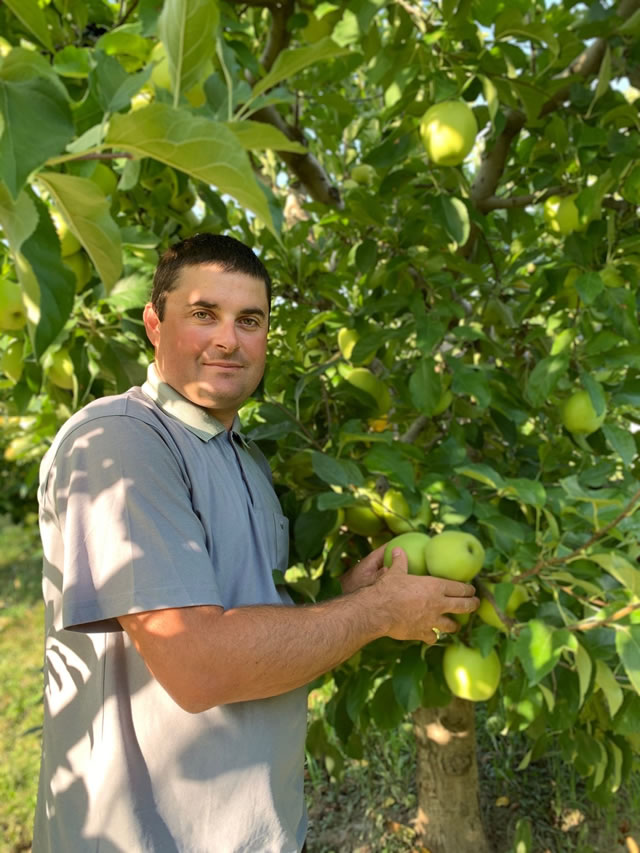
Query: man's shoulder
[[133, 403], [112, 416]]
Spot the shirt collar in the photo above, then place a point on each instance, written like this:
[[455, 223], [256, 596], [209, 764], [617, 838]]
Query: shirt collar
[[195, 418]]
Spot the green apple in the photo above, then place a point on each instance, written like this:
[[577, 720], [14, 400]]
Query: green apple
[[80, 265], [347, 339], [160, 76], [448, 131], [11, 363], [365, 380], [488, 613], [395, 511], [363, 173], [362, 520], [414, 545], [69, 243], [60, 370], [561, 214], [455, 555], [105, 178], [579, 416], [12, 313], [468, 674]]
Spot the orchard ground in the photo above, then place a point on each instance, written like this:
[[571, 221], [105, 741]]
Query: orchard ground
[[365, 806]]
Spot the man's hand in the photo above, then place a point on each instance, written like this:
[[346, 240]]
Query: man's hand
[[364, 573], [416, 605]]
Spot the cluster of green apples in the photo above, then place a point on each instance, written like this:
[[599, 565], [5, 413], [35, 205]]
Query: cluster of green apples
[[391, 511], [457, 555]]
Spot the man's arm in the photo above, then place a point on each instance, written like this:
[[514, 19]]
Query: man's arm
[[206, 656]]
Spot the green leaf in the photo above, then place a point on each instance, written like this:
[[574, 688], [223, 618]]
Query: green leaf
[[594, 389], [628, 647], [366, 255], [528, 491], [86, 210], [456, 219], [471, 381], [336, 472], [491, 96], [258, 136], [206, 150], [32, 17], [589, 286], [544, 377], [407, 678], [621, 442], [290, 62], [56, 283], [18, 218], [619, 568], [357, 693], [608, 683], [584, 666], [539, 647], [604, 78], [390, 460], [187, 29], [23, 148], [310, 531], [425, 386], [111, 85], [482, 473], [385, 708]]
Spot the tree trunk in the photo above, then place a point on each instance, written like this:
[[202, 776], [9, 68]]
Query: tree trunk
[[448, 819]]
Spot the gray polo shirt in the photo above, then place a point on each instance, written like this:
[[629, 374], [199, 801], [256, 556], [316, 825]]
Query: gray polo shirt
[[147, 502]]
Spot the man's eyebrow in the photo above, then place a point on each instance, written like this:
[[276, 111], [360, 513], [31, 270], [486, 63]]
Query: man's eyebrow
[[203, 303]]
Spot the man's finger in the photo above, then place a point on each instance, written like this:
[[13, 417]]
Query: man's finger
[[456, 589], [399, 560], [462, 605]]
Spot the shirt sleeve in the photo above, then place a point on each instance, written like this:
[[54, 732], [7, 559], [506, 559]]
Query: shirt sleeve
[[130, 539]]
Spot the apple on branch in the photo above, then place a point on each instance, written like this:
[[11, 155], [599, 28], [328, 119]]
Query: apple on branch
[[448, 130], [455, 555], [470, 675]]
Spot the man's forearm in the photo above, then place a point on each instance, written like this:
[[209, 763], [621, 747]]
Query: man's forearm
[[259, 651], [206, 656]]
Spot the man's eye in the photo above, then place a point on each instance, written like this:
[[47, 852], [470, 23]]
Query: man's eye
[[201, 315], [249, 321]]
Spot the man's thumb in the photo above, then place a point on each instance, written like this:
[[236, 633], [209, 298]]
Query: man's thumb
[[399, 560]]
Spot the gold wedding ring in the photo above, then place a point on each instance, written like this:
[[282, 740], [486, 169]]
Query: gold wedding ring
[[437, 632]]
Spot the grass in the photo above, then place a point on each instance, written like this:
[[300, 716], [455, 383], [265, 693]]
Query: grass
[[21, 649], [370, 810]]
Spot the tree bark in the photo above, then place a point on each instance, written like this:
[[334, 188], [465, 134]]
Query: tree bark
[[449, 817]]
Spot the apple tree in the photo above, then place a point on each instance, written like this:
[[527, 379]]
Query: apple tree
[[454, 339]]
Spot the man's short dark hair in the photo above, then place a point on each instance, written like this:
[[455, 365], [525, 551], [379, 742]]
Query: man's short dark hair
[[226, 252]]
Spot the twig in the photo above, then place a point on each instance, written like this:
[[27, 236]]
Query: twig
[[558, 561]]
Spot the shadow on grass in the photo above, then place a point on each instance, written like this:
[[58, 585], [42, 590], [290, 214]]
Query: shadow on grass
[[20, 563]]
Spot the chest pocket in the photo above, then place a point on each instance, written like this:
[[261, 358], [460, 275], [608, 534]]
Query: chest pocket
[[274, 534]]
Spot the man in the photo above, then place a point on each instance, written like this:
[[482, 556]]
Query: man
[[175, 701]]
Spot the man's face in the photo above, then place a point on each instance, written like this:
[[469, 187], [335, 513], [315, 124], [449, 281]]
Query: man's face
[[211, 345]]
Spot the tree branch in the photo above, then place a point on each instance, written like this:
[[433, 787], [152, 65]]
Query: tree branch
[[305, 167], [496, 202], [558, 561], [494, 162]]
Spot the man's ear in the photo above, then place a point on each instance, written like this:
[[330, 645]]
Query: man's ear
[[151, 323]]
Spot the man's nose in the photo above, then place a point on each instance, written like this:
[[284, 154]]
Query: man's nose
[[225, 336]]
